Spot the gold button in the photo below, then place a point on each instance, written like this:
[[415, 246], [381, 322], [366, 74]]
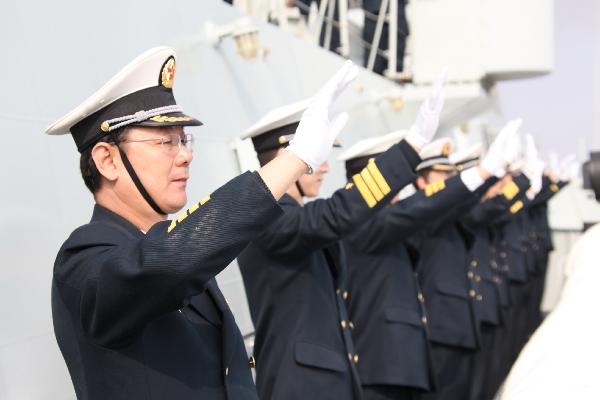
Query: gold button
[[472, 293], [345, 295], [497, 279], [421, 297], [252, 362], [356, 359], [424, 319], [479, 297], [105, 127], [343, 323], [503, 254], [337, 291], [470, 274], [350, 324], [226, 371], [477, 278], [493, 264], [474, 263]]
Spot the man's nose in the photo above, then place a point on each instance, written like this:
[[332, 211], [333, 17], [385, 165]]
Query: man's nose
[[324, 168], [184, 155]]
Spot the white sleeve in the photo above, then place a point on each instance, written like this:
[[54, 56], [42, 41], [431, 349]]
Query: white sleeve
[[471, 178]]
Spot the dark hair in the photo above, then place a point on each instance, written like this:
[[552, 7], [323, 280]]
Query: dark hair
[[266, 157], [87, 166], [424, 173]]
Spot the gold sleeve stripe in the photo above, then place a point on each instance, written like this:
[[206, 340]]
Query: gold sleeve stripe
[[182, 216], [185, 214], [510, 190], [366, 175], [193, 208], [378, 177], [434, 187], [204, 201], [516, 207], [364, 190]]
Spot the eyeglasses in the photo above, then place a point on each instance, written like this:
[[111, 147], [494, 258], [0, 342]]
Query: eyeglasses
[[171, 142]]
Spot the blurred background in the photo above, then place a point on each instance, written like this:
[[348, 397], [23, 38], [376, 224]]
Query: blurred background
[[535, 59]]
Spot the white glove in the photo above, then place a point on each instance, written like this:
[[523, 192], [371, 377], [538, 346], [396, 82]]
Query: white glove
[[534, 167], [569, 168], [504, 149], [535, 171], [428, 118], [316, 132], [553, 164], [499, 173]]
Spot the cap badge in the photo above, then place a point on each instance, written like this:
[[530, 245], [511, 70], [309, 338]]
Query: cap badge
[[446, 149], [167, 74]]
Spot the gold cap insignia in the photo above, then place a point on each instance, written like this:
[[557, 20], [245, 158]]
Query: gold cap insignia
[[167, 74], [446, 149]]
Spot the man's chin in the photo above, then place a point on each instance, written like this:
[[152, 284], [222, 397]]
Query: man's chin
[[175, 206]]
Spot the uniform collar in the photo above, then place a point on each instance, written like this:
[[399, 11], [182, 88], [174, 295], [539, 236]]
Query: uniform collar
[[105, 215], [287, 200]]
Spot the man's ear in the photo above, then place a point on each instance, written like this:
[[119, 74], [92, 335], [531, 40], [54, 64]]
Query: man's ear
[[104, 156], [421, 182]]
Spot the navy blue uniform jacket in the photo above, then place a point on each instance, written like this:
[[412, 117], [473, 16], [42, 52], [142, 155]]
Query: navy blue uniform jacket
[[295, 276], [444, 269], [386, 304], [140, 316]]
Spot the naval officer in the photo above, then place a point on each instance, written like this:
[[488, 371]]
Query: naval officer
[[295, 272], [488, 309], [137, 312], [385, 303], [444, 274]]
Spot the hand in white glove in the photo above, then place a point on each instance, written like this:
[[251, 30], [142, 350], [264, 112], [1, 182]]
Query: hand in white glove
[[428, 118], [553, 164], [534, 167], [530, 150], [569, 168], [504, 149], [316, 132]]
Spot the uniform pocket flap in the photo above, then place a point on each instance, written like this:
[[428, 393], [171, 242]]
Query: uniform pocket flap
[[451, 289], [313, 355], [397, 314]]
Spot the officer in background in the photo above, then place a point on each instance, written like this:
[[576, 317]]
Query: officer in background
[[386, 305], [295, 272], [443, 272], [515, 258], [488, 310], [560, 358], [137, 312]]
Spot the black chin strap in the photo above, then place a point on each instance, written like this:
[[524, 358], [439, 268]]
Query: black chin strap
[[299, 188], [138, 183]]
